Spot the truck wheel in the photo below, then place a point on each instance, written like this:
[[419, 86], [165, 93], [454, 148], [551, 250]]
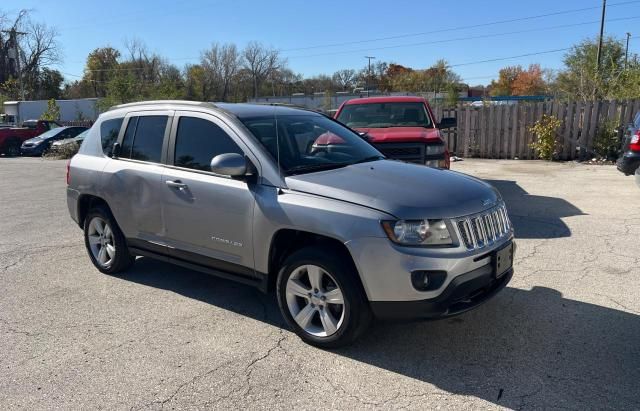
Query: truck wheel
[[105, 242], [12, 148], [321, 298]]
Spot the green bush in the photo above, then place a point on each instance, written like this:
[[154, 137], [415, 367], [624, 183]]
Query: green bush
[[546, 131], [606, 143]]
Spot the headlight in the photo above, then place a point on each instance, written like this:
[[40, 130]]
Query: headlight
[[434, 149], [35, 143], [417, 232]]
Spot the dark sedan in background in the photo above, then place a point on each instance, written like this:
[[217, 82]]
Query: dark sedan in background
[[629, 161], [37, 146]]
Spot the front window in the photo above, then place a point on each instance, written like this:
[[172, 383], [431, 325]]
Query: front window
[[309, 142], [383, 115]]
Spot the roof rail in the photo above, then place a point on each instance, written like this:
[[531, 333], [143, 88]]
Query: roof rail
[[163, 102]]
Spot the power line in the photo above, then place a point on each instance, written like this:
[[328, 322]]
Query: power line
[[403, 45], [557, 13], [482, 36], [510, 57]]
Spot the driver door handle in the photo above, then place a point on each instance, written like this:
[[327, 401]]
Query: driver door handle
[[176, 184]]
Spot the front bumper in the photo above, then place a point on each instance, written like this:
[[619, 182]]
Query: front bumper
[[629, 162], [385, 270], [33, 150], [464, 293]]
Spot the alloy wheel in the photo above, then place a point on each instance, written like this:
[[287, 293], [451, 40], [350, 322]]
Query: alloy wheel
[[101, 242], [315, 300]]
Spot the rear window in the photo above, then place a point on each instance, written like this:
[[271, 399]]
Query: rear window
[[144, 138], [109, 130], [382, 115]]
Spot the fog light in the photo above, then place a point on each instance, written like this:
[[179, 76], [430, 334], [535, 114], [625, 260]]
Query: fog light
[[423, 280]]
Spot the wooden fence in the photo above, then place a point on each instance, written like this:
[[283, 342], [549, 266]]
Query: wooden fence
[[503, 131]]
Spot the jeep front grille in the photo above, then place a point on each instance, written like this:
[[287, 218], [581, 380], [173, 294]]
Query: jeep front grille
[[484, 229]]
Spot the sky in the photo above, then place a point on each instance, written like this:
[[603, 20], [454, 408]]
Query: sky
[[312, 35]]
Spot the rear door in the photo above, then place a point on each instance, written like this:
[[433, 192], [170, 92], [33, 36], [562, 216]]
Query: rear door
[[208, 217], [133, 181]]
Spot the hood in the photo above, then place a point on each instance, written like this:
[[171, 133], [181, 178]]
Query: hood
[[404, 134], [406, 191]]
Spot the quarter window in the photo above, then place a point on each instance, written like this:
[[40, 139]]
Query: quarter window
[[198, 141], [109, 130]]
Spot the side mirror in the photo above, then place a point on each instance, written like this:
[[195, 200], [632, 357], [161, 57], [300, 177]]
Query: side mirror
[[229, 164], [448, 122], [364, 135]]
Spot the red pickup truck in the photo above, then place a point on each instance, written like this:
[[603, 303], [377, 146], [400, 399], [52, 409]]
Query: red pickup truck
[[11, 138], [402, 128]]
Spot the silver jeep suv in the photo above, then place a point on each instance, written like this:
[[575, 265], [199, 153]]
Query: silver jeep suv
[[291, 200]]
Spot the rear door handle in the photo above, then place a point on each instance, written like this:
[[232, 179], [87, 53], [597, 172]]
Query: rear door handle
[[176, 184]]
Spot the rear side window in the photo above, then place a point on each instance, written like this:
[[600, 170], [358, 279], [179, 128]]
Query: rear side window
[[198, 141], [109, 130], [143, 138]]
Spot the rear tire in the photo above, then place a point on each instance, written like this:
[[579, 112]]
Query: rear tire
[[105, 242], [321, 298]]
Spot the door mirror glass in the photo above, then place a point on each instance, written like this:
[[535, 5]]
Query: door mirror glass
[[448, 122], [229, 164]]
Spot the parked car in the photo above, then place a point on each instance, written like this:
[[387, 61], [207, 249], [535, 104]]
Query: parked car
[[11, 138], [37, 146], [402, 128], [239, 191], [67, 142], [629, 161]]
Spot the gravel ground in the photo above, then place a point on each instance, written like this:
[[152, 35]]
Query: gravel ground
[[564, 334]]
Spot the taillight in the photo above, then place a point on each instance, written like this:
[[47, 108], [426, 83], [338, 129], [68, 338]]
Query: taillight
[[634, 145], [68, 172]]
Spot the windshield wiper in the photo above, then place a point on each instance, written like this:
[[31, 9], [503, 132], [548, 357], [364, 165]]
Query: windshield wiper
[[315, 167]]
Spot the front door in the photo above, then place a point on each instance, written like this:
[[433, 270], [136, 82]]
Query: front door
[[208, 217]]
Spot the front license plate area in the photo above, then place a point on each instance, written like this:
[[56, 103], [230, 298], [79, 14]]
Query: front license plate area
[[503, 260]]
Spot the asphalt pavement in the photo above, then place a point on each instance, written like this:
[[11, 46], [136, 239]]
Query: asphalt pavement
[[564, 334]]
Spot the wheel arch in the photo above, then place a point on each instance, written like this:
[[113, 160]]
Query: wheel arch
[[86, 202], [286, 241]]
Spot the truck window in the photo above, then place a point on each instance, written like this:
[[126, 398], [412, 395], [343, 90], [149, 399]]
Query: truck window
[[109, 130]]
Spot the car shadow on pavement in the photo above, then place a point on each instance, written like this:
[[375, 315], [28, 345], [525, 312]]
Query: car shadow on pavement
[[535, 216], [523, 349]]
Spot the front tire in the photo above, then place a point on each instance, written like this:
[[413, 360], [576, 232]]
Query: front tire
[[12, 148], [105, 242], [321, 298]]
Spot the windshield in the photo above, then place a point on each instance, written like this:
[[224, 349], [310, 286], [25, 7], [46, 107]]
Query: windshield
[[47, 134], [382, 115], [81, 136], [306, 143]]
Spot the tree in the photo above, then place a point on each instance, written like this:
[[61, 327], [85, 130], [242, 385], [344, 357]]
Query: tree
[[504, 84], [196, 87], [38, 49], [260, 63], [221, 64], [100, 67], [53, 111], [580, 78], [345, 78]]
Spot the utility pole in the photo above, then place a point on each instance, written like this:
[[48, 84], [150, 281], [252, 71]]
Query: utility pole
[[626, 51], [369, 74], [599, 57]]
